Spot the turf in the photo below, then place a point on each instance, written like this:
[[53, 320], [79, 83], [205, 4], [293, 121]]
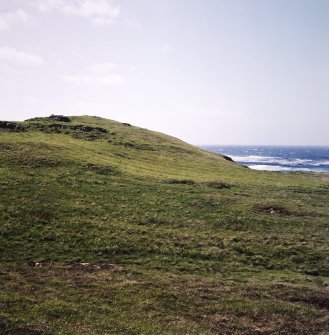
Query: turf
[[106, 228]]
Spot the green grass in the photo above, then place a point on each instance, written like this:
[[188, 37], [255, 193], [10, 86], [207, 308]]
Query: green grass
[[134, 232]]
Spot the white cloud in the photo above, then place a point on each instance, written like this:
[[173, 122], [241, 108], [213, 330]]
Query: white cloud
[[134, 24], [99, 11], [102, 68], [31, 99], [95, 80], [6, 83], [8, 19], [167, 48], [137, 70], [99, 74], [13, 56]]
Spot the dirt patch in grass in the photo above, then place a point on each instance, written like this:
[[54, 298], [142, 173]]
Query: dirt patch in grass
[[10, 328], [319, 300], [217, 184], [272, 209], [152, 221]]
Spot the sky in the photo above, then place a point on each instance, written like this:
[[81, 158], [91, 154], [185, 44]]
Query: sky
[[205, 71]]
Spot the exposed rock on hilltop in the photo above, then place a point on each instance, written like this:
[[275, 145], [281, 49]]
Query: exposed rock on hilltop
[[52, 117], [11, 126]]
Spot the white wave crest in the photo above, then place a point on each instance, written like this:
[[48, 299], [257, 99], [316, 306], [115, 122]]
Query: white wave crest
[[277, 168], [320, 163], [272, 160]]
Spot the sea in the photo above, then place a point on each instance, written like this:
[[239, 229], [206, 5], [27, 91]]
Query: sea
[[277, 158]]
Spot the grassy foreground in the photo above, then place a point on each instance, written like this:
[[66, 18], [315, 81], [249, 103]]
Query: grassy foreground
[[106, 228]]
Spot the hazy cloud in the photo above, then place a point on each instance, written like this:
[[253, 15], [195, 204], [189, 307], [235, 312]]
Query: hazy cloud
[[102, 68], [14, 56], [6, 83], [99, 11], [136, 69], [95, 80], [99, 74], [8, 19], [31, 99], [167, 47], [134, 24]]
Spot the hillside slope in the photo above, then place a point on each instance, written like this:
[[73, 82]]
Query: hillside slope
[[107, 228]]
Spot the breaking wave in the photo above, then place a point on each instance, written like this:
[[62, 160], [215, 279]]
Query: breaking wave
[[284, 159]]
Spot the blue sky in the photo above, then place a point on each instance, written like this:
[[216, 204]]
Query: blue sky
[[206, 71]]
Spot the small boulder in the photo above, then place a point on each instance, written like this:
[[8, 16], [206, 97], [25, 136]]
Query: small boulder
[[228, 158]]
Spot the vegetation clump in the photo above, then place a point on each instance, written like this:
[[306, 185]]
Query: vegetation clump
[[181, 181], [59, 118]]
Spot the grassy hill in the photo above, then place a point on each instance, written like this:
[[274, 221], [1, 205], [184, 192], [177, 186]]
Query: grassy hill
[[106, 228]]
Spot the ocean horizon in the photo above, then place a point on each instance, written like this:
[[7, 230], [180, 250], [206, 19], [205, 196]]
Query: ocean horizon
[[276, 158]]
